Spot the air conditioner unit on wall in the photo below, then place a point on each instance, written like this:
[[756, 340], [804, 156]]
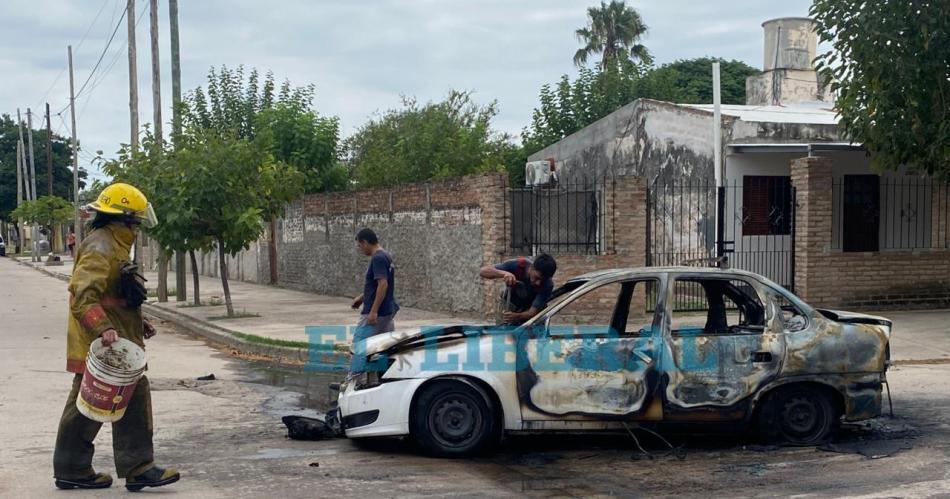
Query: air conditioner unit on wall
[[538, 173]]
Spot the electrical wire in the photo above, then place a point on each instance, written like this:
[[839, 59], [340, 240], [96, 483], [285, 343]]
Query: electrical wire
[[102, 55], [108, 68], [84, 36]]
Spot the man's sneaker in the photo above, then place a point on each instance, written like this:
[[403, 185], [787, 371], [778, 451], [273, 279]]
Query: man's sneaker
[[95, 481], [153, 477]]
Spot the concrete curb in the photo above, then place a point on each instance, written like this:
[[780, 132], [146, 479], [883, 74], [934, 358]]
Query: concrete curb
[[223, 336], [215, 334]]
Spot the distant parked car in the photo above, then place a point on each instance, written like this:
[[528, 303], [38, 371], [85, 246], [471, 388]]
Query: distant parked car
[[3, 247], [614, 347]]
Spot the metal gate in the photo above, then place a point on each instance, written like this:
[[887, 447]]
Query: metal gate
[[751, 224]]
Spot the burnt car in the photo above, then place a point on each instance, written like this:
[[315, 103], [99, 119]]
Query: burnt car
[[647, 346]]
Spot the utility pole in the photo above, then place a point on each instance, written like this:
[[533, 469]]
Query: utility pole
[[49, 152], [133, 102], [181, 293], [157, 124], [54, 237], [19, 195], [75, 146], [26, 171], [133, 78], [29, 137]]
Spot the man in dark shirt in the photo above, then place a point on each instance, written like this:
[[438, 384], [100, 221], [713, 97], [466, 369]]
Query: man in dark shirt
[[530, 284], [378, 298]]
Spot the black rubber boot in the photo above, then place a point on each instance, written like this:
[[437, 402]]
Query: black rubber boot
[[153, 477], [96, 481]]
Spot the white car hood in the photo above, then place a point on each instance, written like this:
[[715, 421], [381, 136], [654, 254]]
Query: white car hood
[[380, 342]]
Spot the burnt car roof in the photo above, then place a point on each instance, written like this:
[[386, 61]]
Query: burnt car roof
[[636, 271]]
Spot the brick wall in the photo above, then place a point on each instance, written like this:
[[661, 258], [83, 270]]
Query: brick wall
[[876, 280], [434, 231], [624, 238], [440, 234]]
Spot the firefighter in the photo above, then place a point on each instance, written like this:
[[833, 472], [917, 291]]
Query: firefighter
[[105, 296]]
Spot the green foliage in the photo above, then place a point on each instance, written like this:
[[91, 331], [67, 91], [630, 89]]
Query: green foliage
[[449, 138], [689, 81], [228, 187], [890, 68], [568, 106], [62, 165], [613, 30], [307, 141], [46, 211], [280, 120]]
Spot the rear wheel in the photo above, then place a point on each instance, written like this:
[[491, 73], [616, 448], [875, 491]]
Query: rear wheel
[[799, 415], [452, 418]]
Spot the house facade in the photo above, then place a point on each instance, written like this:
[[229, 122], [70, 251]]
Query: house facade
[[755, 210]]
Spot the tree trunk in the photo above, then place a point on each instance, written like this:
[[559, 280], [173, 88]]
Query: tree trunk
[[194, 276], [162, 276], [223, 264]]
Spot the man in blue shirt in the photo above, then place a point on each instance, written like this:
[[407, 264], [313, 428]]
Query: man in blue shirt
[[530, 284], [378, 298]]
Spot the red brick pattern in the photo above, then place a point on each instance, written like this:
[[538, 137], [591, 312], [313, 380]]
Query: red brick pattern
[[833, 278]]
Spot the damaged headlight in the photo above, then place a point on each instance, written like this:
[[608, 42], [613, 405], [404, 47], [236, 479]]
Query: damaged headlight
[[374, 375]]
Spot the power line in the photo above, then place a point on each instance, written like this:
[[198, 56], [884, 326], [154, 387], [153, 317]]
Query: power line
[[93, 23], [63, 71], [108, 68], [102, 55]]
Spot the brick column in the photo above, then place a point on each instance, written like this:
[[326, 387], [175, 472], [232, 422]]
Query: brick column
[[492, 192], [629, 221], [814, 278]]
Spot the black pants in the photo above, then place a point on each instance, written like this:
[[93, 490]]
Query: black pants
[[131, 437]]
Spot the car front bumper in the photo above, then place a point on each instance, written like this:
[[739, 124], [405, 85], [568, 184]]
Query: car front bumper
[[379, 411]]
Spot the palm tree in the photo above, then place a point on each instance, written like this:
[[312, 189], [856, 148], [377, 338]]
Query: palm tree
[[613, 31]]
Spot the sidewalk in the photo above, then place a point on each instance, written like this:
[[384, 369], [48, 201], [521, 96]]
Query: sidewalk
[[278, 315], [281, 316]]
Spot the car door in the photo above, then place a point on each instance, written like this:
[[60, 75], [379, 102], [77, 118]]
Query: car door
[[593, 355], [717, 348]]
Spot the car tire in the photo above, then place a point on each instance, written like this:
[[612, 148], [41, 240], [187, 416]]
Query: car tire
[[452, 418], [799, 415]]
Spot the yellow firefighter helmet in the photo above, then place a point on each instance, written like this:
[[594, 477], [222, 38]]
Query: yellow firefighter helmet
[[125, 199]]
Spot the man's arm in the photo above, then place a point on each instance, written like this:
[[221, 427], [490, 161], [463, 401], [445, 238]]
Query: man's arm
[[382, 285], [520, 316], [493, 272]]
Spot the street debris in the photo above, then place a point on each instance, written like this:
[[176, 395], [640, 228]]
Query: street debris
[[874, 439], [314, 464], [304, 428], [209, 377]]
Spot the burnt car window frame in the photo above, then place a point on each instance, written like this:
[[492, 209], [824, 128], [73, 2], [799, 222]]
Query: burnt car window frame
[[542, 319], [764, 302]]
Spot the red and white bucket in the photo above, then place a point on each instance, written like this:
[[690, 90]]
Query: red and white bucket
[[110, 378]]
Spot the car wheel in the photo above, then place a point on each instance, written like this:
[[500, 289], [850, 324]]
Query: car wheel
[[453, 419], [799, 416]]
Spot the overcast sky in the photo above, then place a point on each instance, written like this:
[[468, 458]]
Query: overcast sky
[[362, 55]]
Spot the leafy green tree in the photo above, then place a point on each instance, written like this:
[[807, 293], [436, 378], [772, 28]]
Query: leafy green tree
[[62, 165], [890, 67], [613, 30], [227, 188], [46, 211], [689, 81], [419, 142], [282, 118], [568, 106]]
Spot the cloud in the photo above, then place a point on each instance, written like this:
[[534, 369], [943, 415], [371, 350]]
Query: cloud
[[362, 56]]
